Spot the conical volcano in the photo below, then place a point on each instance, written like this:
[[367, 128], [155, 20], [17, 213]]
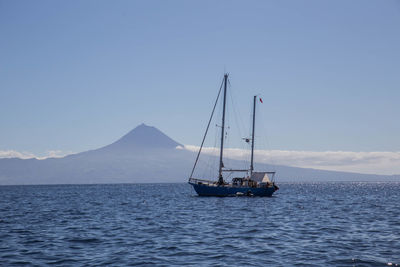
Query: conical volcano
[[143, 137]]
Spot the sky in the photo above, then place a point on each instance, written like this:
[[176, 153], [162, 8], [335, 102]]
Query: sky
[[77, 75]]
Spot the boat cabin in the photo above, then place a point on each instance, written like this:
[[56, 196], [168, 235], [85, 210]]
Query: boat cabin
[[243, 182], [257, 179]]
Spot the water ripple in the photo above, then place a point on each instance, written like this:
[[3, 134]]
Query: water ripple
[[307, 224]]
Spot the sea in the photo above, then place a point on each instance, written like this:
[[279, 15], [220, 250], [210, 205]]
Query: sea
[[303, 224]]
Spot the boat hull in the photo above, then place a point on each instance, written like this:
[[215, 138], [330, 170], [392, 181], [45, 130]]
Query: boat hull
[[229, 191]]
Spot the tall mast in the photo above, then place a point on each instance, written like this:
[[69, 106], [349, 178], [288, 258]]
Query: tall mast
[[220, 178], [252, 135]]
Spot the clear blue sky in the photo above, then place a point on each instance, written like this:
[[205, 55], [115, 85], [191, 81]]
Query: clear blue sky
[[77, 75]]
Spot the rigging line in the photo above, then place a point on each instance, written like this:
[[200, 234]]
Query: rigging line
[[208, 125], [234, 109], [238, 121]]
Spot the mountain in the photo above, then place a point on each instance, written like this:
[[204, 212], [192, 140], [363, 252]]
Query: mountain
[[141, 138], [144, 155]]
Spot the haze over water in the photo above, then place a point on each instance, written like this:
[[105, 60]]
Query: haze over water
[[305, 224]]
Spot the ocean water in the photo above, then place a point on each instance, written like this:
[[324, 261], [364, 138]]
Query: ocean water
[[306, 224]]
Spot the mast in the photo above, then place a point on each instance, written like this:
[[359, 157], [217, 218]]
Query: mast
[[220, 178], [252, 135]]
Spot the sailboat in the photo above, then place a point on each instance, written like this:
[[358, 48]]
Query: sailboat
[[254, 183]]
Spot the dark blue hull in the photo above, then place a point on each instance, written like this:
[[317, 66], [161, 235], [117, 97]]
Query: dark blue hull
[[229, 191]]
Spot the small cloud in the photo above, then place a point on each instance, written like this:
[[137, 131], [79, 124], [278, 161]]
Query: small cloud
[[55, 154], [16, 154], [29, 155]]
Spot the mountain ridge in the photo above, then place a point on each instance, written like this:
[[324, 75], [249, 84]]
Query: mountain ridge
[[143, 155]]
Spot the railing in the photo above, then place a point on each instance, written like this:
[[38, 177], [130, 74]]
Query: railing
[[201, 181]]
